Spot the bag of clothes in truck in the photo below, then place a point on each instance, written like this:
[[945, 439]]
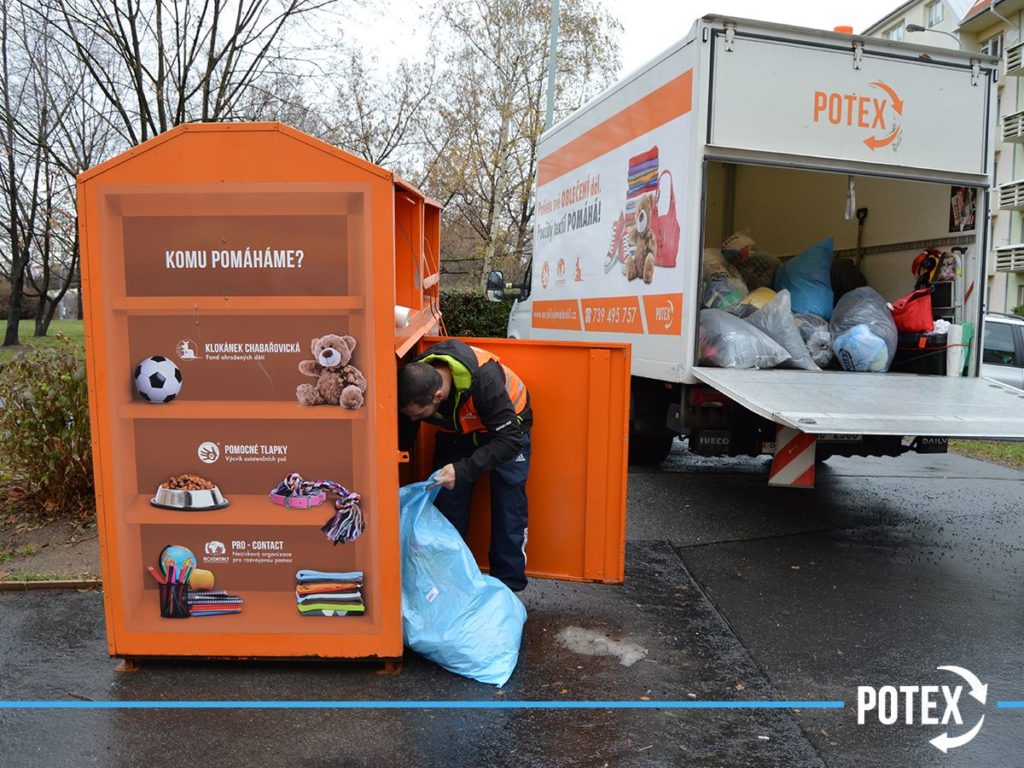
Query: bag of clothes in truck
[[761, 312]]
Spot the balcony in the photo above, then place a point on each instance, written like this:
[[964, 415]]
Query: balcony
[[1013, 127], [1011, 196], [1015, 60], [1010, 258]]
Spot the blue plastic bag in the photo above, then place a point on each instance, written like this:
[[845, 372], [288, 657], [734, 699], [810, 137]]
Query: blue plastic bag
[[465, 621], [808, 278]]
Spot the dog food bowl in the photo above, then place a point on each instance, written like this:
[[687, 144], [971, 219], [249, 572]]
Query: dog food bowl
[[189, 501]]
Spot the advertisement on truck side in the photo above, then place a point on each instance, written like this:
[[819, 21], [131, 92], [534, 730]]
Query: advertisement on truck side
[[610, 209]]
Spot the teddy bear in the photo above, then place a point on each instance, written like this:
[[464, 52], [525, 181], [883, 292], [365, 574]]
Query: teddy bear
[[645, 247], [337, 382]]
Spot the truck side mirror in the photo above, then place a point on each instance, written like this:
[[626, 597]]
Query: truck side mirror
[[495, 286]]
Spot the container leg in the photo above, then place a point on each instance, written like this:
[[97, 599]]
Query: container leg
[[390, 668], [128, 665]]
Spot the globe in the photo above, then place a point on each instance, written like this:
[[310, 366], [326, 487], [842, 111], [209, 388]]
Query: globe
[[178, 556]]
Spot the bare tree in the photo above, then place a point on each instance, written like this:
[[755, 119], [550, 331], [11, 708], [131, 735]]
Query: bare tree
[[56, 130], [381, 116], [491, 114], [85, 78], [160, 63], [81, 135], [22, 165]]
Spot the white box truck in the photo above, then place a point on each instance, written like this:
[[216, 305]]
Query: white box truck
[[794, 135]]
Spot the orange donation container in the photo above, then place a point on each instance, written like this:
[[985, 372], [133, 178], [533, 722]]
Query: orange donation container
[[249, 294]]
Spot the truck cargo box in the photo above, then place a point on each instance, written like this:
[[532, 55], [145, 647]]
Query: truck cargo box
[[793, 136]]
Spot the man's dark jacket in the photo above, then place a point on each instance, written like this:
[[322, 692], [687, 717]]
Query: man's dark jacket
[[483, 388]]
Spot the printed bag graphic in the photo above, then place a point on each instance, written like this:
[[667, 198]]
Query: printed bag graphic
[[642, 239]]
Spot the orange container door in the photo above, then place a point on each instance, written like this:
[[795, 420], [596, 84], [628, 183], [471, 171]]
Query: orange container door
[[577, 483]]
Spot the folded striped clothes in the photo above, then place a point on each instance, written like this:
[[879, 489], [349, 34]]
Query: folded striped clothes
[[213, 602], [326, 593], [641, 178]]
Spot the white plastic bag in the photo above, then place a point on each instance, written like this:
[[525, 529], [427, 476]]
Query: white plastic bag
[[776, 320], [726, 341], [864, 335], [757, 267], [722, 285], [817, 337]]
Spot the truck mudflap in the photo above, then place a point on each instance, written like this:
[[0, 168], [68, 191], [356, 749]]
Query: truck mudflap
[[839, 402]]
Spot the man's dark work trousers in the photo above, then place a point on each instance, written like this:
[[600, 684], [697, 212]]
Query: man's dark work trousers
[[507, 554]]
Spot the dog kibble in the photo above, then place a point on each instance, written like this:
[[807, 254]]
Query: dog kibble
[[188, 482]]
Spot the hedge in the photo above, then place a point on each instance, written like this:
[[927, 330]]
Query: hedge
[[468, 313]]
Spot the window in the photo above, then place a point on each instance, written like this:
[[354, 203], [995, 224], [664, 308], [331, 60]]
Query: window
[[999, 348], [993, 46], [933, 12], [527, 283], [895, 33]]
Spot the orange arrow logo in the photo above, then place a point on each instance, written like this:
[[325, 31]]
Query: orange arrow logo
[[897, 103], [875, 142]]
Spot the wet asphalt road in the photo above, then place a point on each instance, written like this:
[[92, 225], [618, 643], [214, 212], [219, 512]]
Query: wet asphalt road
[[885, 571]]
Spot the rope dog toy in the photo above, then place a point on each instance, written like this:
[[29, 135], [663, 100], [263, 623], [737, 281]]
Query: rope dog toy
[[347, 522]]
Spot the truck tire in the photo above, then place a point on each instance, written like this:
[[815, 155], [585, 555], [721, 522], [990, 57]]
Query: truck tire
[[646, 450]]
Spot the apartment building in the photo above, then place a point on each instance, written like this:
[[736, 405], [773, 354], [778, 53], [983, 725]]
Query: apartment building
[[992, 27]]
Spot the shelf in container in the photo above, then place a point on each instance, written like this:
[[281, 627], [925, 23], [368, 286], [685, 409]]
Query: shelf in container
[[262, 612], [237, 409], [244, 509], [264, 305]]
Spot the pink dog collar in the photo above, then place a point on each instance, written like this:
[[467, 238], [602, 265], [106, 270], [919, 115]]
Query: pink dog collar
[[295, 501]]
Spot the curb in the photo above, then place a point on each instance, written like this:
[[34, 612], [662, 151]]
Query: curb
[[24, 586]]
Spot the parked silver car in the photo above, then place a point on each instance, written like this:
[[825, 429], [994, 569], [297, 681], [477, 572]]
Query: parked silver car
[[1002, 356]]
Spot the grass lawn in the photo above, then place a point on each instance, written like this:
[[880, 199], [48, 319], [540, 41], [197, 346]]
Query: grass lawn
[[73, 329], [1008, 454]]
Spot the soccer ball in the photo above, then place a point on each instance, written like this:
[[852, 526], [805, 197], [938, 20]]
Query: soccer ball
[[157, 379]]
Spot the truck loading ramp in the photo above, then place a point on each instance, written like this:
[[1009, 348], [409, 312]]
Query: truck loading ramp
[[839, 402]]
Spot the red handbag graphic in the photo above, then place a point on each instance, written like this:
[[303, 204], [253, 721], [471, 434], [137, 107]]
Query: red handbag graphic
[[644, 180], [666, 228], [913, 313]]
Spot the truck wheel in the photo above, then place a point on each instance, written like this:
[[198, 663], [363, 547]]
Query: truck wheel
[[645, 450]]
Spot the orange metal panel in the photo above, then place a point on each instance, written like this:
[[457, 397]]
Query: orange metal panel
[[657, 108], [577, 485], [408, 249], [198, 181]]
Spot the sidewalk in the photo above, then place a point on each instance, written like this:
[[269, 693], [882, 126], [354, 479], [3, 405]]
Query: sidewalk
[[55, 650]]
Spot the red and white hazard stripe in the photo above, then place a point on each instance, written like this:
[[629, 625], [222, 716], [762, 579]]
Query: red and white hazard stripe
[[793, 464]]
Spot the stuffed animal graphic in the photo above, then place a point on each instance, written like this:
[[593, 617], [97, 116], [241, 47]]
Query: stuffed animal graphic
[[645, 246], [337, 382]]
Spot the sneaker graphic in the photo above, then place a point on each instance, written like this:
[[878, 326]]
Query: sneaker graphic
[[617, 248]]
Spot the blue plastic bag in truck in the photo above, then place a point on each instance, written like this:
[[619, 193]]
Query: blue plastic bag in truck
[[459, 618]]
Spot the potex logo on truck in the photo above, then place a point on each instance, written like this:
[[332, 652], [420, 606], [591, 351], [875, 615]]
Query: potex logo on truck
[[878, 114]]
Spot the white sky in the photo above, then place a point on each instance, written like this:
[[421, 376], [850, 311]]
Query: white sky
[[395, 29], [642, 39]]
